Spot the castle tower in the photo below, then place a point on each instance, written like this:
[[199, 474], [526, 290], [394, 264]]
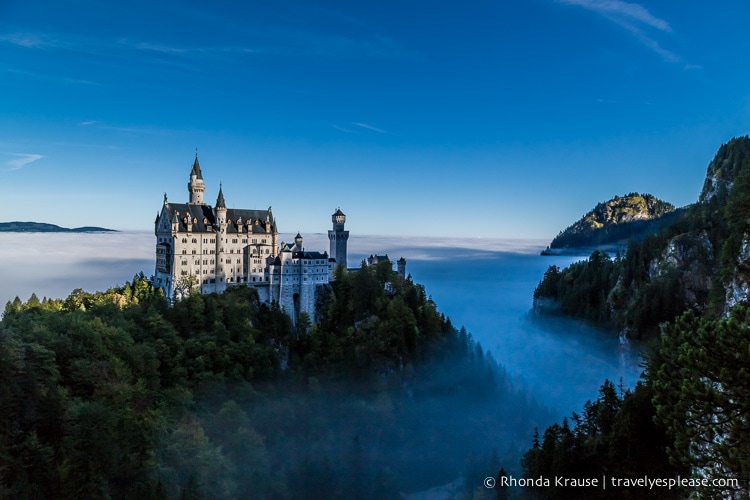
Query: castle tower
[[338, 238], [221, 230], [221, 211], [401, 266], [196, 185], [298, 243]]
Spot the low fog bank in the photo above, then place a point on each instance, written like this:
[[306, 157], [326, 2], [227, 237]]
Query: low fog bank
[[54, 264], [406, 432], [563, 362], [485, 284]]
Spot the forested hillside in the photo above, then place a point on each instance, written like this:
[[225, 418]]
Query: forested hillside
[[117, 395], [686, 288], [615, 221], [696, 262]]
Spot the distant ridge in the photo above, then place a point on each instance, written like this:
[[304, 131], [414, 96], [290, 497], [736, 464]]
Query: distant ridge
[[614, 222], [42, 227]]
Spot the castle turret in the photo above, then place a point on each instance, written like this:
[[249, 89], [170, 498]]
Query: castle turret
[[401, 266], [338, 238], [221, 229], [298, 243], [221, 210], [196, 185]]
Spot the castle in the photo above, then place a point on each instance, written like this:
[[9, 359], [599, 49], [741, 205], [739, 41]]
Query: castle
[[204, 248]]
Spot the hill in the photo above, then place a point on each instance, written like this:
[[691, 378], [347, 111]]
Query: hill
[[686, 287], [41, 227], [615, 222]]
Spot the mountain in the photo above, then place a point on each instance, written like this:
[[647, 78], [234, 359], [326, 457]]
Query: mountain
[[41, 227], [697, 258], [687, 288], [614, 222]]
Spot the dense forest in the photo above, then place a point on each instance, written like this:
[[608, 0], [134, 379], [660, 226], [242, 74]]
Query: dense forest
[[116, 394], [684, 289], [688, 264]]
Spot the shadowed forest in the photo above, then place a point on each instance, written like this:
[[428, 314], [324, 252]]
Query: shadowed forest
[[118, 395]]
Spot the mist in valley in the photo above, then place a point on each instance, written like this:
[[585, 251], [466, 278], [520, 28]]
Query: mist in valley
[[465, 413]]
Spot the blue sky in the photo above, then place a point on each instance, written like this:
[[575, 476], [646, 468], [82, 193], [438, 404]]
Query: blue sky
[[485, 118]]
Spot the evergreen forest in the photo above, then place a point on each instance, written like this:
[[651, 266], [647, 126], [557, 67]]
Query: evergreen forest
[[682, 289], [116, 394]]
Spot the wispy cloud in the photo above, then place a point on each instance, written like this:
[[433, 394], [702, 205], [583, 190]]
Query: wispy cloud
[[635, 18], [370, 127], [22, 160], [624, 11], [29, 40], [343, 129]]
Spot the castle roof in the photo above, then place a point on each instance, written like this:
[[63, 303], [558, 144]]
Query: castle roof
[[220, 203], [196, 168], [338, 212], [310, 255], [204, 219]]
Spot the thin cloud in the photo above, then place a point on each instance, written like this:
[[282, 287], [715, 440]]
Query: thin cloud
[[635, 18], [86, 123], [632, 12], [29, 40], [342, 129], [23, 160], [370, 127]]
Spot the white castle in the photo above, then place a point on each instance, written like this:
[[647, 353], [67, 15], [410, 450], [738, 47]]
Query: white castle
[[204, 248]]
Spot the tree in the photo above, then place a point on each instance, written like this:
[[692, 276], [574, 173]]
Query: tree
[[701, 376]]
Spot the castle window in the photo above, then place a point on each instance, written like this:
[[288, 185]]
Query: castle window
[[244, 240], [195, 240], [184, 251], [194, 252], [184, 240]]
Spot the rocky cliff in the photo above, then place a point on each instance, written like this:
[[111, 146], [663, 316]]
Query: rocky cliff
[[699, 260]]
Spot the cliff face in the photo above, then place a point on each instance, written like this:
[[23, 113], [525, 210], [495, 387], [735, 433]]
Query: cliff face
[[699, 260], [725, 166], [619, 219]]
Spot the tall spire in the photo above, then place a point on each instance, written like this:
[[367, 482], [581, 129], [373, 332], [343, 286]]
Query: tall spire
[[220, 203], [196, 167], [196, 185]]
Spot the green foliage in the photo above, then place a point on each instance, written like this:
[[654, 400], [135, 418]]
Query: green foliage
[[614, 436], [117, 395], [632, 216], [682, 266], [701, 377]]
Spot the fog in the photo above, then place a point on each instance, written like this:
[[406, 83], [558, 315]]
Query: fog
[[434, 425], [483, 284]]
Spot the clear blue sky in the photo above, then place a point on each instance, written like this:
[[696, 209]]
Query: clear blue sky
[[504, 118]]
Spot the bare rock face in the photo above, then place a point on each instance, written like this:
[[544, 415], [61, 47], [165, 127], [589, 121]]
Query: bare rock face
[[738, 288], [724, 167], [691, 258]]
